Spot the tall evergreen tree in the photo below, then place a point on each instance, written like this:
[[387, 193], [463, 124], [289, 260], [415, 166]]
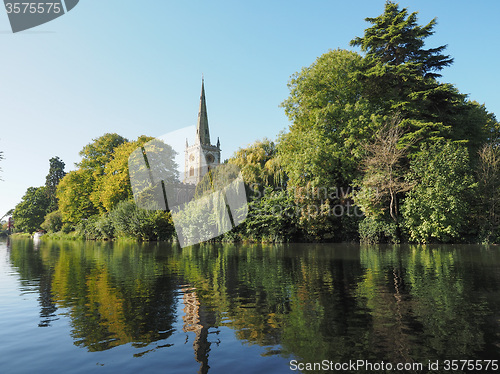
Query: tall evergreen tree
[[56, 173], [400, 76], [396, 41]]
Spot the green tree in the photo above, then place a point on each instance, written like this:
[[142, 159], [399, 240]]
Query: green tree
[[330, 121], [153, 173], [30, 212], [488, 197], [56, 173], [260, 165], [97, 154], [438, 207], [74, 196], [399, 75], [114, 185], [271, 217], [79, 191], [395, 44]]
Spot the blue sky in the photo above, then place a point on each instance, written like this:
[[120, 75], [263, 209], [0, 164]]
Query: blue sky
[[134, 67]]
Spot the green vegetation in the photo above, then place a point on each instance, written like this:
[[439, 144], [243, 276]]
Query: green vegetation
[[416, 156], [378, 150], [94, 201], [30, 212], [437, 207]]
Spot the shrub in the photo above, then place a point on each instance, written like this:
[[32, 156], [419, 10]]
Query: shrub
[[67, 228], [438, 207], [128, 220], [372, 231], [53, 222]]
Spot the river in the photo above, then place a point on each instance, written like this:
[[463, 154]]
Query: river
[[100, 307]]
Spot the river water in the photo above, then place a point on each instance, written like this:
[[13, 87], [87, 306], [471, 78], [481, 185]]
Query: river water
[[86, 307]]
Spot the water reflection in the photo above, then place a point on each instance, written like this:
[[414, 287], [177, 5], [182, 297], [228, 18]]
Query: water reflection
[[199, 320], [310, 302]]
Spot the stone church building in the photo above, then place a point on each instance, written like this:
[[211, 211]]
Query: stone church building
[[201, 156]]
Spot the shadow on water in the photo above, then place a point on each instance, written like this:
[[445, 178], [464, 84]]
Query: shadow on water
[[303, 301]]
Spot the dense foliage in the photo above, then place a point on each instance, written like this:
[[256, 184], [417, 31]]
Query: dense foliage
[[30, 212], [437, 208], [378, 150]]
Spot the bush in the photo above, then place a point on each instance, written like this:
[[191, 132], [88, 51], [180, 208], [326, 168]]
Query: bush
[[53, 222], [105, 228], [130, 221], [121, 217], [372, 231], [87, 228], [272, 218], [67, 228], [438, 208]]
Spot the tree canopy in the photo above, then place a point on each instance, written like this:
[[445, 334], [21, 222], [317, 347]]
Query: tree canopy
[[330, 120], [74, 195], [375, 129], [339, 105], [115, 183], [30, 212], [400, 75], [97, 154], [437, 208], [260, 164], [56, 173]]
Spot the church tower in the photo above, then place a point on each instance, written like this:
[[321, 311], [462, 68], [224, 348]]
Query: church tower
[[201, 156]]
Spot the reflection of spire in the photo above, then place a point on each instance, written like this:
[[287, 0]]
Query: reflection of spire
[[195, 320]]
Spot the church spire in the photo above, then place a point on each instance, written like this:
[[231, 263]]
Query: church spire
[[202, 133]]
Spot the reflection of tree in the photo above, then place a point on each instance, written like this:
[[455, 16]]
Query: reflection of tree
[[428, 290], [270, 298], [384, 292], [324, 320], [47, 305], [35, 274], [313, 302], [397, 304], [122, 301], [450, 315], [112, 297], [247, 295]]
